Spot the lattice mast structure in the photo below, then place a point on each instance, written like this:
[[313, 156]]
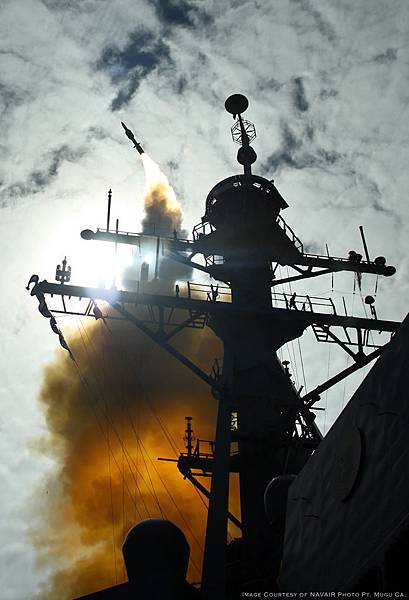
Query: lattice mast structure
[[243, 239]]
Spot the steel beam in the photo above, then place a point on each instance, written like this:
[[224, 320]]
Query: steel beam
[[343, 264], [313, 396], [188, 475], [170, 349], [216, 308]]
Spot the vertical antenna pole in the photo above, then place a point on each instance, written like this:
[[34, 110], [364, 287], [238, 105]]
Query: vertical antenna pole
[[157, 258], [109, 208], [332, 273], [361, 229], [116, 250], [189, 435], [246, 144]]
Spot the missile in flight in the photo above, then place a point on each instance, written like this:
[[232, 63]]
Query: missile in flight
[[131, 136]]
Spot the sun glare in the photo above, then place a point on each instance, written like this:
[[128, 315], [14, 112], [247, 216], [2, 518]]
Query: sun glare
[[94, 264]]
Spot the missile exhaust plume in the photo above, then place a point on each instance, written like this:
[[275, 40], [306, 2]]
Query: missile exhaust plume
[[163, 212]]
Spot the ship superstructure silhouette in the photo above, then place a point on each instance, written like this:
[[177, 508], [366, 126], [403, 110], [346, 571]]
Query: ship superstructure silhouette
[[242, 239]]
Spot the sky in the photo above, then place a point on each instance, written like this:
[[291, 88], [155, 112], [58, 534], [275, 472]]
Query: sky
[[328, 90]]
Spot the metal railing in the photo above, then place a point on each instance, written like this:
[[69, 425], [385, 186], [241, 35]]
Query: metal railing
[[214, 260], [290, 234], [203, 291], [211, 292], [303, 303], [203, 228]]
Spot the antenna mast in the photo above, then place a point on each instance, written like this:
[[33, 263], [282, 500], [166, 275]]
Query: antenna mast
[[242, 237]]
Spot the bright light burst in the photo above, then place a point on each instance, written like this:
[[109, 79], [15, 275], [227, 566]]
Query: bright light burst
[[101, 264]]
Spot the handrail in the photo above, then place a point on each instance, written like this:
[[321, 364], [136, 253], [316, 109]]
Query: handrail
[[287, 230]]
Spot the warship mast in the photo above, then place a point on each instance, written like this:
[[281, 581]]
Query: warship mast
[[243, 239]]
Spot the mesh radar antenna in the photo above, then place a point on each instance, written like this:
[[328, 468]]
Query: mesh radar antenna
[[243, 240]]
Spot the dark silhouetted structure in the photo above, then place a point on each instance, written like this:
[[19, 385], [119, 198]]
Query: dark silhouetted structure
[[131, 136], [243, 240], [347, 525], [156, 556]]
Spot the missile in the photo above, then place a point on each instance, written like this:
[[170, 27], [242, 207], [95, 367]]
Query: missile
[[131, 136]]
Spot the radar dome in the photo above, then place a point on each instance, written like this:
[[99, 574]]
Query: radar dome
[[155, 546]]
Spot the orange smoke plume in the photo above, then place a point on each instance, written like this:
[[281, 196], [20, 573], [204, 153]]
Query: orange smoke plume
[[109, 417]]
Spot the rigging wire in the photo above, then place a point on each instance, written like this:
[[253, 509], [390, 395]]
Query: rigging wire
[[138, 443], [326, 392], [129, 415], [366, 315], [290, 347], [112, 516], [345, 383], [302, 364], [173, 445], [120, 441], [129, 458], [164, 429], [171, 497], [104, 434], [112, 507], [166, 432], [292, 341], [126, 359], [120, 468]]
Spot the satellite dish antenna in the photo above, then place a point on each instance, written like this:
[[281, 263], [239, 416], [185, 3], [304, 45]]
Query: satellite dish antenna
[[236, 104]]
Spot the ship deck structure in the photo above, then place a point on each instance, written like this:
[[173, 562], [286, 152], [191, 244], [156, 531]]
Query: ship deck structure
[[241, 242]]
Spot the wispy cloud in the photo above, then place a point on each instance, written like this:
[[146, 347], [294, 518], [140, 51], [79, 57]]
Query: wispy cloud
[[322, 24], [299, 152], [10, 98], [299, 96], [389, 56], [176, 13], [39, 180], [129, 65]]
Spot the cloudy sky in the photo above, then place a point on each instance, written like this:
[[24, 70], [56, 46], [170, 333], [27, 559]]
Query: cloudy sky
[[328, 89]]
